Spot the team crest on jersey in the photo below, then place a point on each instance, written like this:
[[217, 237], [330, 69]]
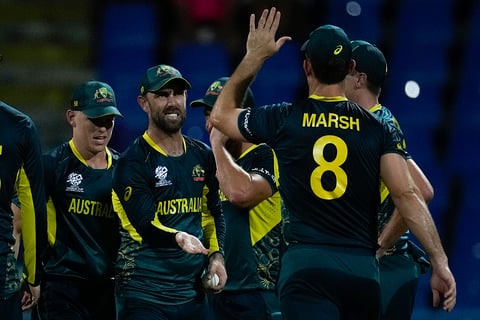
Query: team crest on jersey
[[198, 173], [161, 174], [74, 179]]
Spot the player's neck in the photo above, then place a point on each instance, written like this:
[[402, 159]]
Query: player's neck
[[367, 100], [171, 143], [327, 90], [94, 158], [98, 161]]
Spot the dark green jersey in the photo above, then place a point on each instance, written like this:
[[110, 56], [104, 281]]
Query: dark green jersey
[[83, 230], [329, 153], [253, 240], [21, 169], [387, 206], [155, 196]]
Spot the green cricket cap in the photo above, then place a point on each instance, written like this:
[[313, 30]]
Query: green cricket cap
[[95, 99], [214, 90], [325, 43], [158, 77]]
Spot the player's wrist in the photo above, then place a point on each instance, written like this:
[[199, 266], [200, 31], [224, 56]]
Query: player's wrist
[[217, 256]]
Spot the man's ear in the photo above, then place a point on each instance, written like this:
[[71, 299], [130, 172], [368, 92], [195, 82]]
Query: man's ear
[[353, 65], [307, 67], [142, 102], [361, 80], [70, 116]]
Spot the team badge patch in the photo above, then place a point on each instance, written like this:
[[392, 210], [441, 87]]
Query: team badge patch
[[198, 173], [103, 95], [161, 173], [74, 180], [167, 71]]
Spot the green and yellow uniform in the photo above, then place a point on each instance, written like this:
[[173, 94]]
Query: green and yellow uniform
[[21, 172], [253, 246], [156, 196], [82, 226], [253, 240], [401, 267], [328, 150], [83, 235]]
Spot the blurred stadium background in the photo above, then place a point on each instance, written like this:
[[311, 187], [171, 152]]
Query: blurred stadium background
[[433, 86]]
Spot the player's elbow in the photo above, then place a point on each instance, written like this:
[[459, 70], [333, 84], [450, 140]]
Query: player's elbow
[[215, 118], [247, 197], [427, 193], [240, 199]]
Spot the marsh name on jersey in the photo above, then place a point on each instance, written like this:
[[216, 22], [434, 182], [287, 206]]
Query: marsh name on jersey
[[330, 120]]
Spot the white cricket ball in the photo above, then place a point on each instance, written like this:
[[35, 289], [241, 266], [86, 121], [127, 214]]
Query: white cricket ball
[[213, 281]]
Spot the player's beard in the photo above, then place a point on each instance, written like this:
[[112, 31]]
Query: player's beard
[[167, 125]]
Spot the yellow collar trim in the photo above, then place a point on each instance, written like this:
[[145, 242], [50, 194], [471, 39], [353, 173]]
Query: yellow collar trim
[[376, 107], [247, 151], [157, 147], [82, 159], [328, 99]]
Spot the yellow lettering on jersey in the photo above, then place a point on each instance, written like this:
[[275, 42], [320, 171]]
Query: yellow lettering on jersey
[[331, 120], [90, 208], [1, 149], [181, 205], [172, 206]]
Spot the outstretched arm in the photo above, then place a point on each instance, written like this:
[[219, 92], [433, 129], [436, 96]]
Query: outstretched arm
[[261, 45]]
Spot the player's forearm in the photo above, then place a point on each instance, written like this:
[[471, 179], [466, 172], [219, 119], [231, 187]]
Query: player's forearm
[[247, 69], [421, 180], [392, 231], [418, 219], [228, 105], [220, 231], [234, 181], [243, 76]]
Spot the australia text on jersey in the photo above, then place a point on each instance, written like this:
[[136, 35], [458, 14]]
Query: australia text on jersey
[[91, 208], [182, 205], [330, 120]]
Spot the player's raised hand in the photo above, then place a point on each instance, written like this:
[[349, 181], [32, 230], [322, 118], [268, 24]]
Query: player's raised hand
[[261, 41]]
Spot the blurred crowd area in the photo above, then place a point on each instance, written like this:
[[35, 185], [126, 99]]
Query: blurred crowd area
[[48, 47], [432, 87]]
